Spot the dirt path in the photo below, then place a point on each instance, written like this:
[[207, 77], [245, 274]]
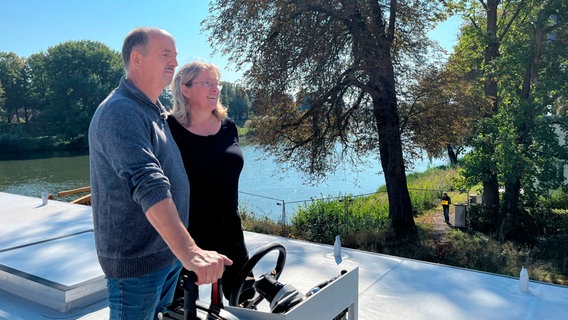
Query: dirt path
[[435, 219]]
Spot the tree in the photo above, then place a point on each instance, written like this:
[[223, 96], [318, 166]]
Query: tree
[[340, 60], [37, 90], [440, 114], [492, 21], [2, 100], [12, 77], [166, 98], [515, 142], [79, 75], [535, 144], [236, 99]]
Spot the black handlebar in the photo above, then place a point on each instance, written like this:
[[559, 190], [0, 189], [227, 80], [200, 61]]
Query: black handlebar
[[190, 294]]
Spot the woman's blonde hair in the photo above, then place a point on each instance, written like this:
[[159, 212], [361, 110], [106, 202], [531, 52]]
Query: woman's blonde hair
[[185, 75]]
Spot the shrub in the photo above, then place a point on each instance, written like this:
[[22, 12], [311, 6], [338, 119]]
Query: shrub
[[480, 252], [550, 221], [558, 200], [14, 144], [480, 219], [321, 220], [553, 249], [262, 224], [423, 200]]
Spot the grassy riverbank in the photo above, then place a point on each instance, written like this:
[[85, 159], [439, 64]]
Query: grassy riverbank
[[363, 224]]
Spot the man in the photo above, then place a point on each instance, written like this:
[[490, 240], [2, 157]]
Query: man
[[446, 201], [140, 192]]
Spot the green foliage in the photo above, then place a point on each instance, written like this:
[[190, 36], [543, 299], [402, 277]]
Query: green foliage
[[80, 74], [13, 82], [321, 220], [57, 92], [15, 139], [546, 259], [25, 144], [558, 199], [532, 223], [441, 109], [460, 183], [261, 224], [480, 252], [519, 73], [549, 216], [547, 221], [426, 188], [477, 164], [481, 220], [554, 249], [237, 100]]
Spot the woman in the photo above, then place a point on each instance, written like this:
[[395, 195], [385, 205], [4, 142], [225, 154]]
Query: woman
[[209, 145]]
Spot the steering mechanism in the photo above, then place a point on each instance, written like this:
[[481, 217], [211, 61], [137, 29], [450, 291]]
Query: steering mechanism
[[281, 297]]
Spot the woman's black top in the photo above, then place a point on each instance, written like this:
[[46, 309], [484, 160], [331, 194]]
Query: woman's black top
[[213, 165]]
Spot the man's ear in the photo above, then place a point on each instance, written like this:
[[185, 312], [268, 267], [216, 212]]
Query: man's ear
[[135, 58]]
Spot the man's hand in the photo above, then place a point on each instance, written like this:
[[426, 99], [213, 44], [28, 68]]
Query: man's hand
[[207, 265]]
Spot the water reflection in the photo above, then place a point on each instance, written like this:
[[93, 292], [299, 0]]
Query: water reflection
[[30, 174]]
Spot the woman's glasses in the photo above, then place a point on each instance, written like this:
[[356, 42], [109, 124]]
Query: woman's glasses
[[207, 84]]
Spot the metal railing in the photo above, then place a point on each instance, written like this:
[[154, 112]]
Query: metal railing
[[285, 204]]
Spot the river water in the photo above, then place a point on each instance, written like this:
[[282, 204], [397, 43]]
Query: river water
[[265, 188]]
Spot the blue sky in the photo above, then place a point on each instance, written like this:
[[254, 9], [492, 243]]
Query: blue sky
[[32, 26]]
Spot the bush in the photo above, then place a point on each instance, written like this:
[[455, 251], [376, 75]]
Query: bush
[[423, 200], [553, 249], [319, 221], [558, 200], [14, 144], [322, 220], [21, 138], [263, 224], [480, 220], [551, 221], [480, 252]]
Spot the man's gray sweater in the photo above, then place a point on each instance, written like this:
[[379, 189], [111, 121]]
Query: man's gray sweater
[[134, 163]]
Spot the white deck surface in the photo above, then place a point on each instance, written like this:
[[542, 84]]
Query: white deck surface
[[52, 247]]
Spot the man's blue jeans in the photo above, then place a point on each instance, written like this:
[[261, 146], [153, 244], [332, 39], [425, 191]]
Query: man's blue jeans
[[142, 298]]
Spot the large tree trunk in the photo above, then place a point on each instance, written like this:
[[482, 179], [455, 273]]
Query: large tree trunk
[[392, 162], [510, 208], [524, 134], [490, 196], [372, 48], [452, 155], [491, 52], [490, 183], [390, 147]]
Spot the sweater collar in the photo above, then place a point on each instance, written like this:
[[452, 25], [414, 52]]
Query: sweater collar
[[130, 87]]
